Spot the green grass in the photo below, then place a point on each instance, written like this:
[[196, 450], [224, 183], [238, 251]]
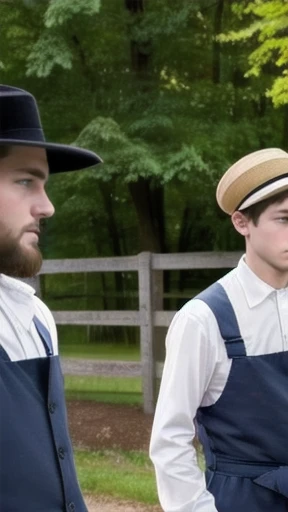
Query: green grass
[[115, 390], [122, 475], [118, 474], [110, 351]]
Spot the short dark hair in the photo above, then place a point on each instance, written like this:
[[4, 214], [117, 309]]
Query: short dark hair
[[4, 151], [254, 211]]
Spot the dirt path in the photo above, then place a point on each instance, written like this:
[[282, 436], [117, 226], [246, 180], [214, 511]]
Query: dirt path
[[105, 505], [105, 426], [98, 426]]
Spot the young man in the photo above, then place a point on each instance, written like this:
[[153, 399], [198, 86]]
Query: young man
[[36, 461], [226, 368]]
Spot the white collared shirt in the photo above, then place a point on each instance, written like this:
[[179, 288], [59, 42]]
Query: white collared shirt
[[195, 373], [18, 334]]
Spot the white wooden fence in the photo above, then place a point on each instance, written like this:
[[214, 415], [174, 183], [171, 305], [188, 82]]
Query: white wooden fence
[[145, 264]]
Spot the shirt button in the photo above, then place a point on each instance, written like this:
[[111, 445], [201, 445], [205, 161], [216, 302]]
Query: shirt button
[[71, 506], [52, 407], [61, 453]]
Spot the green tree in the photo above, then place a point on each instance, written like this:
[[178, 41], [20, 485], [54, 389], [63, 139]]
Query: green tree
[[149, 87], [268, 29]]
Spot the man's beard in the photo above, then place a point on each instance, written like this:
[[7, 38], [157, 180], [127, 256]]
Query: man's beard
[[18, 261]]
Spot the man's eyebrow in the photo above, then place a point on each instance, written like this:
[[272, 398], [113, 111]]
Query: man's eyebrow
[[283, 210], [38, 173]]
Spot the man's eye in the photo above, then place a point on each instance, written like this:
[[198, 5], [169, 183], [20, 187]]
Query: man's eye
[[282, 219], [26, 182]]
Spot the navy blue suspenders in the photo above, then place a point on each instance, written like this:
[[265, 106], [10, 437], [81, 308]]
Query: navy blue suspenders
[[44, 335], [216, 298]]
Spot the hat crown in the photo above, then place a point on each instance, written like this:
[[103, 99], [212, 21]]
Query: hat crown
[[256, 158], [19, 116], [20, 125], [249, 174]]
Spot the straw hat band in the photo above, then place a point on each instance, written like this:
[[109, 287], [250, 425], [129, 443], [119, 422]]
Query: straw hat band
[[264, 193], [264, 185], [236, 186]]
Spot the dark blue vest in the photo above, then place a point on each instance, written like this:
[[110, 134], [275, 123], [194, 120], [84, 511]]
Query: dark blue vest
[[245, 433], [37, 472]]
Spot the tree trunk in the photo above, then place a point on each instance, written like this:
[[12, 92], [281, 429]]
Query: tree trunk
[[157, 200], [140, 54], [112, 227], [184, 241], [149, 239], [148, 201], [216, 49]]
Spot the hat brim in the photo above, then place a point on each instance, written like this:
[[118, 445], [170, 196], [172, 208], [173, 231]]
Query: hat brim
[[61, 158]]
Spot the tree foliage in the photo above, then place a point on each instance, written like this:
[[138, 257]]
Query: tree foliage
[[147, 86], [269, 27], [63, 12]]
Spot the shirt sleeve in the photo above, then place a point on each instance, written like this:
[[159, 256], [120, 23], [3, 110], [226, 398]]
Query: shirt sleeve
[[188, 369]]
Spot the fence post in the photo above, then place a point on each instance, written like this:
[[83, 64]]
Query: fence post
[[146, 330], [159, 332]]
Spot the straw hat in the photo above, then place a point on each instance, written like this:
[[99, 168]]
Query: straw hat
[[255, 177]]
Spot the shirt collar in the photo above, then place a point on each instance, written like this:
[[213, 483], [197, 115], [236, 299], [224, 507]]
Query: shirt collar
[[17, 296], [16, 285], [255, 290]]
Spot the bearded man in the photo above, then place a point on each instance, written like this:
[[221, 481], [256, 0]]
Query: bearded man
[[37, 472]]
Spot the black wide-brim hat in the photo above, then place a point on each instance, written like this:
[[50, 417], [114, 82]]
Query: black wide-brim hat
[[20, 125]]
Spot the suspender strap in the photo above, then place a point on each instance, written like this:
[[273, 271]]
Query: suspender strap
[[44, 335], [216, 298]]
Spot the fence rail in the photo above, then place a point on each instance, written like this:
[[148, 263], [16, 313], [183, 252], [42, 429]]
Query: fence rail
[[145, 264]]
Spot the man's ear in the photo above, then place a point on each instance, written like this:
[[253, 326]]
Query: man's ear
[[240, 223]]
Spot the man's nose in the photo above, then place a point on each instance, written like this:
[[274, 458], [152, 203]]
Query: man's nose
[[43, 208]]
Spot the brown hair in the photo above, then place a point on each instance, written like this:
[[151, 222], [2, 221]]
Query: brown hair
[[254, 211], [4, 151]]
